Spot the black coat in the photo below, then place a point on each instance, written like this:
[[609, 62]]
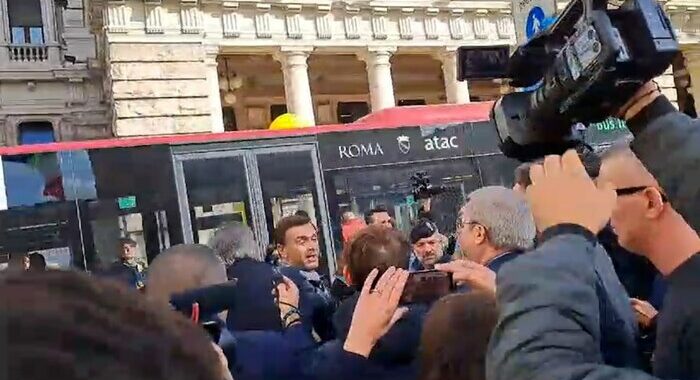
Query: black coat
[[394, 357], [254, 299]]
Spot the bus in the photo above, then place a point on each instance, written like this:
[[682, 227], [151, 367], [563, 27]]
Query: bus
[[72, 201]]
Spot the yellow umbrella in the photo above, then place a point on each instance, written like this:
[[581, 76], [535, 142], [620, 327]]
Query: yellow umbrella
[[288, 121]]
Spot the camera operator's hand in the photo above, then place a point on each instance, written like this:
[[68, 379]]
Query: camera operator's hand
[[642, 98], [562, 193], [475, 275], [376, 310]]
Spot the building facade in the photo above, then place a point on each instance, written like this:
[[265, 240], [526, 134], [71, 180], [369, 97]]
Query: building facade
[[97, 68], [50, 81]]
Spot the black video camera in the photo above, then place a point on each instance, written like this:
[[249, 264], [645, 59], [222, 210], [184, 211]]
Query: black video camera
[[422, 188], [202, 305], [582, 69]]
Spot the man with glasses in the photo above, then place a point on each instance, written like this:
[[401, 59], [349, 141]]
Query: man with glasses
[[646, 224], [493, 227]]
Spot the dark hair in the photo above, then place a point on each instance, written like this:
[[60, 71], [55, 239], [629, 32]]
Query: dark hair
[[375, 247], [455, 336], [118, 334], [127, 241], [287, 223], [302, 213], [369, 218], [37, 262], [590, 159]]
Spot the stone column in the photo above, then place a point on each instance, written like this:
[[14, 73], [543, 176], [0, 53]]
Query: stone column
[[692, 64], [381, 85], [457, 92], [48, 18], [4, 33], [297, 89], [3, 191], [212, 73]]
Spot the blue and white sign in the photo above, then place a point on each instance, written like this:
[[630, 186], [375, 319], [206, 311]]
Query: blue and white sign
[[532, 16], [534, 22]]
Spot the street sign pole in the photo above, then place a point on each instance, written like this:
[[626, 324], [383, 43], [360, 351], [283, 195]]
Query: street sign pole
[[530, 15]]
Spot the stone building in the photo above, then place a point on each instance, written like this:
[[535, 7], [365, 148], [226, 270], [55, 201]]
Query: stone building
[[50, 82], [185, 66]]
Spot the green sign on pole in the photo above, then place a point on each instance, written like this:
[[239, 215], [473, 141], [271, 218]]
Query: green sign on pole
[[126, 202]]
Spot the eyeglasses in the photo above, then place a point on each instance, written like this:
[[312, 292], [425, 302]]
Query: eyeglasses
[[461, 223], [637, 189]]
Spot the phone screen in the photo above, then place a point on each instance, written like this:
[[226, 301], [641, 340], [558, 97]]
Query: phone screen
[[426, 286]]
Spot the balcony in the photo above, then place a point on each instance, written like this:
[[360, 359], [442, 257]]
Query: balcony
[[25, 53]]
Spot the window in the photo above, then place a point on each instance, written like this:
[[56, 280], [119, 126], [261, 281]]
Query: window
[[36, 132], [276, 110], [26, 25], [348, 112], [411, 102]]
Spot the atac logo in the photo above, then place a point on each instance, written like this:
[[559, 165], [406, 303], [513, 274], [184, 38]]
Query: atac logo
[[404, 144]]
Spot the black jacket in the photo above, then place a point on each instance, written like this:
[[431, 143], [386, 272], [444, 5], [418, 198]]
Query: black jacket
[[254, 295], [395, 356], [677, 354], [667, 141]]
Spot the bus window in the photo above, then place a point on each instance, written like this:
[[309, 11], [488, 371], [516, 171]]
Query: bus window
[[289, 186], [360, 190], [217, 193]]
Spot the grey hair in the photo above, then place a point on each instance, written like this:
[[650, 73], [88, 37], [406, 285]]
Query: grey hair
[[235, 241], [621, 147], [504, 213]]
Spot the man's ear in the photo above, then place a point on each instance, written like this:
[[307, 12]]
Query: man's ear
[[346, 274], [479, 234], [655, 202], [281, 252]]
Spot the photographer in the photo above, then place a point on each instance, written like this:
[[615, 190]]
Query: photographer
[[548, 327], [666, 141]]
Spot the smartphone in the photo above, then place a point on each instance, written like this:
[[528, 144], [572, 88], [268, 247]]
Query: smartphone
[[426, 286]]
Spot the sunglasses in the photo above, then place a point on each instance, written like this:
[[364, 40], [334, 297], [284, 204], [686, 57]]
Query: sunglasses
[[637, 189]]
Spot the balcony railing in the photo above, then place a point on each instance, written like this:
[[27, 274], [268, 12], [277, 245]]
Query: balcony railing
[[28, 53]]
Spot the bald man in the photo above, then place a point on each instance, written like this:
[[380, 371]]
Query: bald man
[[183, 267], [646, 224]]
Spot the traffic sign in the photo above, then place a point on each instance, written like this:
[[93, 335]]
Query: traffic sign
[[531, 16]]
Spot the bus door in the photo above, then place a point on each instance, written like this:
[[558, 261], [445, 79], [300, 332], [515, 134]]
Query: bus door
[[256, 186]]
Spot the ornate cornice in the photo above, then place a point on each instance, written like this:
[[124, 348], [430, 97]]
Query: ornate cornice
[[326, 22]]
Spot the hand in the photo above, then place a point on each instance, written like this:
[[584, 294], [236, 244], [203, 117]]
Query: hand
[[642, 98], [561, 192], [288, 294], [644, 311], [376, 310], [475, 275], [226, 374]]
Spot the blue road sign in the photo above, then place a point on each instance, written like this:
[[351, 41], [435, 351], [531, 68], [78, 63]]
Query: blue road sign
[[534, 23]]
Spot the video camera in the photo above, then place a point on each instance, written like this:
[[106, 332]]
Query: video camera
[[582, 69], [422, 188], [202, 305]]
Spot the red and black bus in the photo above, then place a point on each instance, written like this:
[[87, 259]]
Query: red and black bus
[[72, 201]]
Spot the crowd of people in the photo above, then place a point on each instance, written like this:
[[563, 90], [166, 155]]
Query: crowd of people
[[588, 268]]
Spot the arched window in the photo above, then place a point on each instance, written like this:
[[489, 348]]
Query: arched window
[[36, 132]]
